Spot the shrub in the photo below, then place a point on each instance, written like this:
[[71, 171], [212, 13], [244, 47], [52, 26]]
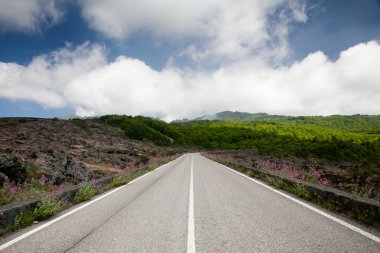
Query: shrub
[[301, 191], [170, 152], [152, 166], [250, 173], [31, 171], [48, 206], [143, 159], [20, 221], [120, 180], [328, 204], [240, 168], [5, 199], [6, 193], [280, 184], [85, 193]]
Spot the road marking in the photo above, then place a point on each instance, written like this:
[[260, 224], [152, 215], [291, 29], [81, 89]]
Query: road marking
[[190, 228], [347, 225], [31, 232]]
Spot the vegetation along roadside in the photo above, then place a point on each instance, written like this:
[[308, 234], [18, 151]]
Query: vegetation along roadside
[[43, 157], [53, 198]]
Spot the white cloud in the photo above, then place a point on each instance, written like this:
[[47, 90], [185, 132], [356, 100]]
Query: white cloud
[[119, 18], [229, 29], [28, 15], [128, 86], [80, 77], [45, 79], [241, 34]]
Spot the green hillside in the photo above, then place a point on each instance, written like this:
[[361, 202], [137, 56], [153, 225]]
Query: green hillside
[[352, 123], [337, 138]]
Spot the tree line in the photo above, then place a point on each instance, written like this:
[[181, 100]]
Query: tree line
[[283, 138]]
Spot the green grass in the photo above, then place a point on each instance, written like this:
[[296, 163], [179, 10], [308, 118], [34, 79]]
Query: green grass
[[280, 184], [21, 221], [250, 173], [120, 180], [31, 171], [5, 197], [328, 204], [85, 193], [48, 206], [300, 190]]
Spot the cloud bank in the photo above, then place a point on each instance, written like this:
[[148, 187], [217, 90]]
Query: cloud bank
[[45, 79], [245, 38], [28, 15], [81, 77], [229, 29]]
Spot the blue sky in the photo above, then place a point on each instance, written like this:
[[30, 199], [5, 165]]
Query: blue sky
[[173, 60], [336, 25]]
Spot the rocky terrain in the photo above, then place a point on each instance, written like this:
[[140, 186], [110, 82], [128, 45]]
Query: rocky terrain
[[67, 151]]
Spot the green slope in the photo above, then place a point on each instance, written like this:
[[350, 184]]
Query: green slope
[[338, 138], [351, 123]]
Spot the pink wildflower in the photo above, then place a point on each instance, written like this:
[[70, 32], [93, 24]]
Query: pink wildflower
[[60, 190], [295, 174], [315, 173], [126, 169], [42, 180], [95, 184], [13, 190], [325, 182], [51, 185]]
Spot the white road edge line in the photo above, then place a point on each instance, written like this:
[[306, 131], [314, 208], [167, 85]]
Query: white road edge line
[[27, 234], [190, 228], [341, 222]]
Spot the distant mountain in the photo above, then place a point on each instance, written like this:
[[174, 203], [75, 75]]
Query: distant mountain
[[226, 115], [236, 116]]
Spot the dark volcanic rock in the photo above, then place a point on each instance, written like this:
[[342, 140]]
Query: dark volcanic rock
[[62, 149], [13, 167], [3, 178], [63, 167]]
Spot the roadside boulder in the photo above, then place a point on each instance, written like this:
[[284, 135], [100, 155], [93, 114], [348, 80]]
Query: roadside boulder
[[63, 167], [3, 178], [13, 167]]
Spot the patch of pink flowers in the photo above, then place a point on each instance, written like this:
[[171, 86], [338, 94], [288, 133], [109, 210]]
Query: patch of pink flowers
[[285, 168], [51, 185], [60, 190], [13, 190], [95, 184], [366, 186], [42, 180], [313, 175]]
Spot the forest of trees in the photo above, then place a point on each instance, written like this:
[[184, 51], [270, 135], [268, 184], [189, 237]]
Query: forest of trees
[[338, 138]]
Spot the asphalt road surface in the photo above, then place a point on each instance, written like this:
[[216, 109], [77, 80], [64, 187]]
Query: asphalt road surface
[[193, 205]]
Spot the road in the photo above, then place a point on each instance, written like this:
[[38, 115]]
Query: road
[[191, 205]]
